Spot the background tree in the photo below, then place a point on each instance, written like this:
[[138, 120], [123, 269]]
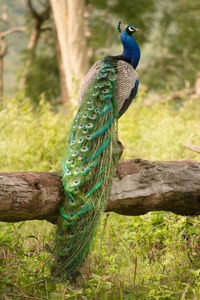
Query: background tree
[[69, 21], [40, 72], [168, 41], [8, 29], [35, 28], [171, 53]]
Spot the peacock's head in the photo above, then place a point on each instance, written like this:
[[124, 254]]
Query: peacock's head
[[130, 29]]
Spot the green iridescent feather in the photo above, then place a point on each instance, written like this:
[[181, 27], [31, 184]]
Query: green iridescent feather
[[87, 170]]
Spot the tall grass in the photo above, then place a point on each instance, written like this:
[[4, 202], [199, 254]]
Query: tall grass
[[155, 256]]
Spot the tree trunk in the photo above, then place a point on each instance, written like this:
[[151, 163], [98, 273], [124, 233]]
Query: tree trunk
[[3, 48], [69, 21], [143, 186], [1, 80], [76, 40], [197, 85], [37, 21], [32, 44], [63, 87]]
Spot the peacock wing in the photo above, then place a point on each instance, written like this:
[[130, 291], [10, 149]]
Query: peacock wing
[[127, 79], [126, 82]]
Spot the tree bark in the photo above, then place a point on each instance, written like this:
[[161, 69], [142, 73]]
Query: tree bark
[[63, 87], [143, 186], [69, 21], [1, 80], [3, 48]]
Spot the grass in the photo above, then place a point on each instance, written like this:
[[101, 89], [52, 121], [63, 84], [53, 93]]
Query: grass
[[155, 256]]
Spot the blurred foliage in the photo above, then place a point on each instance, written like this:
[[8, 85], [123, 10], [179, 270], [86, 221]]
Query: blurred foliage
[[173, 38], [16, 43], [156, 131], [43, 75], [169, 43], [104, 17], [155, 256], [31, 139]]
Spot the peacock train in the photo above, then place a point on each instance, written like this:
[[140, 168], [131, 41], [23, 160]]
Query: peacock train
[[92, 152]]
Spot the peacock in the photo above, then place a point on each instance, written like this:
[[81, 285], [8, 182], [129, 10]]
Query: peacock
[[92, 153]]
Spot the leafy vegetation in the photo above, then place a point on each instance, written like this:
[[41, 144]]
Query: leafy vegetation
[[155, 256], [43, 73], [169, 27], [173, 35]]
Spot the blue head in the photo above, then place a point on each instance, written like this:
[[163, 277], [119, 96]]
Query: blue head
[[131, 49]]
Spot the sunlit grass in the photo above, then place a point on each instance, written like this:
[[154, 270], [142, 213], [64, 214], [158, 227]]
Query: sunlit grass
[[157, 131], [155, 256]]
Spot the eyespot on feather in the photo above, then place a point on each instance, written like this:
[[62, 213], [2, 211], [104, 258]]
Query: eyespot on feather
[[81, 140], [85, 115], [72, 202], [68, 173], [106, 91], [112, 78], [76, 171], [74, 154], [91, 107], [72, 142], [81, 157], [76, 183], [75, 191], [93, 117], [84, 131], [84, 149], [95, 93], [89, 125], [88, 137]]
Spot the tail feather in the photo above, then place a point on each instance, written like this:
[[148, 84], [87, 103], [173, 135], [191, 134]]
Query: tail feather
[[87, 170]]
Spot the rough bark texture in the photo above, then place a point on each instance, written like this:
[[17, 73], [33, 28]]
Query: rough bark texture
[[153, 186], [143, 186]]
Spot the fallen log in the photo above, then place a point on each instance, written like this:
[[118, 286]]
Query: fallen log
[[139, 186]]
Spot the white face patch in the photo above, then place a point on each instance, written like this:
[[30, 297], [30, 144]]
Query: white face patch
[[131, 28]]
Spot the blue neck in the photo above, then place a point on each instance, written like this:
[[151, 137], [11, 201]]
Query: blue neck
[[131, 49]]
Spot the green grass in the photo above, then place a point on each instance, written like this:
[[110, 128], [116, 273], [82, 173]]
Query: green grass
[[155, 256], [156, 131]]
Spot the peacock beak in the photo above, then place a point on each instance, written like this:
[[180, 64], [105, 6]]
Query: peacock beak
[[137, 29]]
